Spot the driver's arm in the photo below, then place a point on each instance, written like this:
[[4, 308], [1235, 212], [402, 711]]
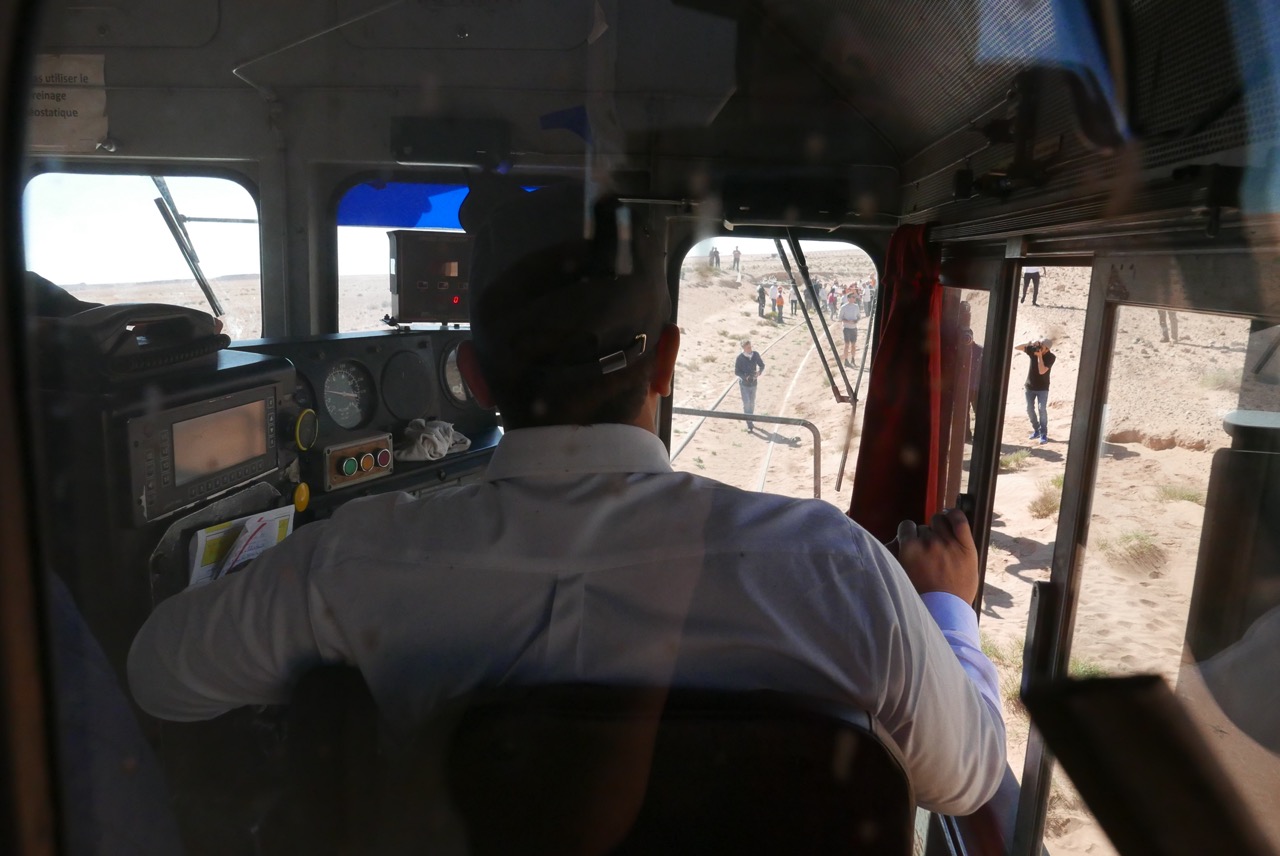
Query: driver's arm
[[244, 639]]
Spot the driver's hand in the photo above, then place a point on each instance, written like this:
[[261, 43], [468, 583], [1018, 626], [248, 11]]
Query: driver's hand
[[940, 556]]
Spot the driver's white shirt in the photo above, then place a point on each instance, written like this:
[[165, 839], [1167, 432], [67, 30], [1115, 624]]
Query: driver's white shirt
[[583, 557]]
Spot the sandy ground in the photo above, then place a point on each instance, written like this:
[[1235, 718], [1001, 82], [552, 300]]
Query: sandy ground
[[1164, 420]]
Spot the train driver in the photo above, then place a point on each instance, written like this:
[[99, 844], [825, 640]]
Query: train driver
[[582, 556]]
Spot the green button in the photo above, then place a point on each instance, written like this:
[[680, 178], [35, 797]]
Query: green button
[[349, 466]]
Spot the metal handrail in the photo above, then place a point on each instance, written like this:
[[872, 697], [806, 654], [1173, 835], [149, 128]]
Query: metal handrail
[[776, 420]]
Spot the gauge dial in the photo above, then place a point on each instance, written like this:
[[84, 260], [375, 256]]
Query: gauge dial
[[406, 386], [349, 396]]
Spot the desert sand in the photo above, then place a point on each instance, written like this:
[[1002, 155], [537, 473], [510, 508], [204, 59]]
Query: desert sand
[[1164, 416], [1164, 420]]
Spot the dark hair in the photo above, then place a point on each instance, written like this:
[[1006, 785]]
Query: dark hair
[[531, 400]]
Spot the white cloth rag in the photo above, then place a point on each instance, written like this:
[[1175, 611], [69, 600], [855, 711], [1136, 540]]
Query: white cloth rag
[[430, 441]]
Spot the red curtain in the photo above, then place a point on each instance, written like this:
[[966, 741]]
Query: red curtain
[[899, 458]]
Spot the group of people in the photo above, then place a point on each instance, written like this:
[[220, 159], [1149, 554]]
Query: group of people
[[772, 297], [713, 258]]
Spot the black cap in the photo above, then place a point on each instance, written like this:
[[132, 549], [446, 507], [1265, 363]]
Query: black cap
[[560, 290]]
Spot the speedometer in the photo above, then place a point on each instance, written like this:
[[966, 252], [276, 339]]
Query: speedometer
[[349, 396]]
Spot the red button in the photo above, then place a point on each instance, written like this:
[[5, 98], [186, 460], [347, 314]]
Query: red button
[[384, 457]]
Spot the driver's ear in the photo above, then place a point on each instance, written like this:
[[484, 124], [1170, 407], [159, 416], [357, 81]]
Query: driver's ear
[[664, 370], [469, 365]]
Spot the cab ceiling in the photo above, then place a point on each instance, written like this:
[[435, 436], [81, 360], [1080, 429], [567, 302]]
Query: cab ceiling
[[883, 96], [896, 72]]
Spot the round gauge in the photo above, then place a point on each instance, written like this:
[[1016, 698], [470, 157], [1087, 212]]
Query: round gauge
[[349, 396], [406, 386], [454, 385]]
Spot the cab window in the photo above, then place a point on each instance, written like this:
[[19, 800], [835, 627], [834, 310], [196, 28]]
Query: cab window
[[120, 239], [727, 301], [368, 216]]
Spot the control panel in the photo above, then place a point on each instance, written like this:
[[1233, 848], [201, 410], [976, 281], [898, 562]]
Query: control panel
[[356, 461], [180, 455]]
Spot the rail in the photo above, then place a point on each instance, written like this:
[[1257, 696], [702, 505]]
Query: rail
[[776, 420]]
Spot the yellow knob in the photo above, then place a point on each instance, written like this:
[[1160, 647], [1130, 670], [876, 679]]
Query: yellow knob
[[301, 497]]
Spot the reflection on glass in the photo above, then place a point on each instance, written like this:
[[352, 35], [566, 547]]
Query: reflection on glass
[[1172, 572], [453, 382]]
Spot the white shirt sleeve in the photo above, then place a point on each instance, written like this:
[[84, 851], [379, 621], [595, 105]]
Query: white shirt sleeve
[[244, 639], [959, 625], [942, 703]]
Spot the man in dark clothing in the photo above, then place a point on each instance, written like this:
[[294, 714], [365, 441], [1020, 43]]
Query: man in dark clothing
[[737, 259], [760, 296], [1037, 386], [1031, 278], [975, 375], [748, 368]]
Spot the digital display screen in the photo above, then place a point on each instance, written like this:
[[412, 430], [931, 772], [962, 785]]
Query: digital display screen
[[209, 444]]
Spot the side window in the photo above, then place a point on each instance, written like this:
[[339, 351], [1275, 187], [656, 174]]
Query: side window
[[107, 239], [737, 291], [367, 216]]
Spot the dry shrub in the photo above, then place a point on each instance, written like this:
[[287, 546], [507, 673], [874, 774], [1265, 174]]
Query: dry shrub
[[1014, 460], [1047, 501], [1135, 549], [1179, 493]]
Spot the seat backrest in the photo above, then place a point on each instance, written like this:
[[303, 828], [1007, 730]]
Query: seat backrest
[[575, 769]]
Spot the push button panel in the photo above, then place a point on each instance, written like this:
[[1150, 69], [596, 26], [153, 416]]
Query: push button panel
[[357, 461]]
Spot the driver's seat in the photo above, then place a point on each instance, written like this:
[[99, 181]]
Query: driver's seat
[[593, 769], [587, 769]]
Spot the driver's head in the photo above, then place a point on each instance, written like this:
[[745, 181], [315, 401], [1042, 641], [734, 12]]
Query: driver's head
[[568, 304]]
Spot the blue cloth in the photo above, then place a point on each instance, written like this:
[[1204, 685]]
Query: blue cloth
[[114, 800]]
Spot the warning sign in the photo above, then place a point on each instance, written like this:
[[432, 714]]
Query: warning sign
[[68, 110]]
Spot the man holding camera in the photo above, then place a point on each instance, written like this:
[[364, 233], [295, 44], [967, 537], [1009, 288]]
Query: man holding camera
[[748, 368], [1037, 386]]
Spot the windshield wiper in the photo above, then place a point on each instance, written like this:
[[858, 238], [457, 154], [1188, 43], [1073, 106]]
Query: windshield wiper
[[169, 211]]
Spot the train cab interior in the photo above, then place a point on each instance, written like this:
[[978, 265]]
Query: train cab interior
[[236, 265]]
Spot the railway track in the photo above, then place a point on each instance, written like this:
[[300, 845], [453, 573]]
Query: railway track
[[801, 368]]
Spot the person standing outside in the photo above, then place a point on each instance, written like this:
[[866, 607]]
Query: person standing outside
[[975, 375], [850, 315], [1168, 324], [1031, 277], [779, 302], [795, 300], [737, 259], [760, 296], [748, 368], [1037, 386]]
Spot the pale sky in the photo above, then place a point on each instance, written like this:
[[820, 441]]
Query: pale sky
[[98, 229]]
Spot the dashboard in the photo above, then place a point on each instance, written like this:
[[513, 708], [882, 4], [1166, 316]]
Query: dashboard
[[355, 395]]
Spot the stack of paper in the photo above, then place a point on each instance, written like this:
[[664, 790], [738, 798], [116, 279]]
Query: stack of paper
[[219, 550]]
